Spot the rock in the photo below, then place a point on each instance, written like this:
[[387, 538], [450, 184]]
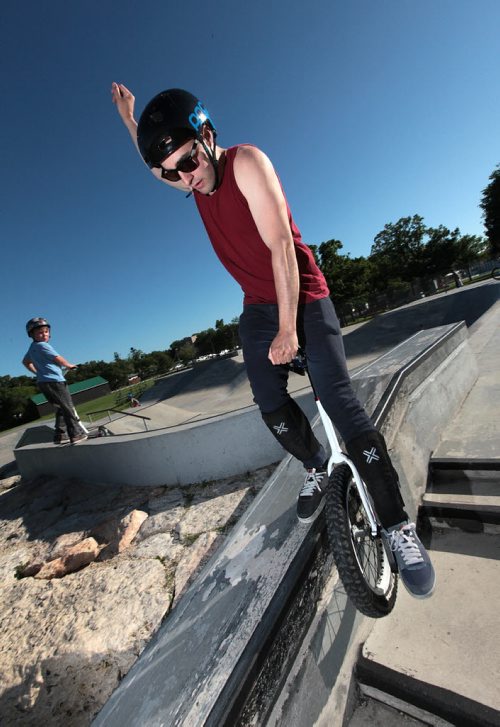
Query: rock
[[74, 558], [162, 546], [12, 561], [195, 556], [169, 499], [161, 522], [131, 524], [209, 514], [67, 643], [65, 541], [30, 570], [8, 483], [13, 530], [127, 529]]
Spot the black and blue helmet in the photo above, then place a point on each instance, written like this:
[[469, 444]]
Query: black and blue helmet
[[170, 119]]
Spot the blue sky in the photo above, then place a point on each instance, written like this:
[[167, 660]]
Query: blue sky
[[370, 111]]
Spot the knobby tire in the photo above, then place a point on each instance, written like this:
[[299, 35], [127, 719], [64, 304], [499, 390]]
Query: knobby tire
[[361, 559]]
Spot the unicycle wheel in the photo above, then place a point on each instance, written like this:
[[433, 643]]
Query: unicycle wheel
[[361, 559]]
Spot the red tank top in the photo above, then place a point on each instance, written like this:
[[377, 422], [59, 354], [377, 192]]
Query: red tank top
[[238, 245]]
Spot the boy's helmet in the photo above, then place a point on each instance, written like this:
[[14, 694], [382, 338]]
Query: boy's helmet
[[35, 323], [169, 120]]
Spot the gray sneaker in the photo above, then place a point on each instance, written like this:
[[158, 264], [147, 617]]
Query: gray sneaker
[[414, 564], [312, 495]]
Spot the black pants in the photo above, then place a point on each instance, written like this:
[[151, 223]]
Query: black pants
[[320, 337], [66, 419]]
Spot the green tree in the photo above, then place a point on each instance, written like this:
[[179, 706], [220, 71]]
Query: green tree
[[315, 252], [441, 250], [398, 250], [490, 204], [205, 342], [16, 406], [348, 278], [156, 363], [468, 249], [136, 358], [187, 352]]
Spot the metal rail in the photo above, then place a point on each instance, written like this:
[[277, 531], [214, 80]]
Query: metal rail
[[118, 411]]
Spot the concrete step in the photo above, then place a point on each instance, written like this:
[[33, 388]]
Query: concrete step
[[441, 655], [382, 710], [483, 507], [465, 463], [463, 493], [473, 482]]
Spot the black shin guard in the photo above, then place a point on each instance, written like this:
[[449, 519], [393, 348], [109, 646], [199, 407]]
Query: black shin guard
[[293, 431], [369, 453]]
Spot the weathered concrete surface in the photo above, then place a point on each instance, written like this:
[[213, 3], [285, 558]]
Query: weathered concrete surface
[[385, 331], [217, 389], [445, 648], [165, 456], [418, 415], [172, 456], [370, 713], [303, 696], [230, 608], [442, 654], [475, 432], [66, 643]]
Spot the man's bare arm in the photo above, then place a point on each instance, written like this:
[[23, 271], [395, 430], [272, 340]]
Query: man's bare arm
[[257, 180], [124, 101]]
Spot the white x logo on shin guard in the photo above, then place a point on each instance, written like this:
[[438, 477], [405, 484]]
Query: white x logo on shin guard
[[280, 428], [371, 455]]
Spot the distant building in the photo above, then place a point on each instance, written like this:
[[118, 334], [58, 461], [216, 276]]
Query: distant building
[[133, 378], [80, 392]]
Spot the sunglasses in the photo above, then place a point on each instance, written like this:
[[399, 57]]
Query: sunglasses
[[186, 164]]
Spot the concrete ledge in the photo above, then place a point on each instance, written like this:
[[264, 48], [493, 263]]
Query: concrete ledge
[[421, 403], [213, 448], [172, 456], [200, 667]]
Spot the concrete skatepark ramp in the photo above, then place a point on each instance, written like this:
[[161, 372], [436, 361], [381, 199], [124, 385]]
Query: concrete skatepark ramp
[[196, 415], [268, 545], [220, 657]]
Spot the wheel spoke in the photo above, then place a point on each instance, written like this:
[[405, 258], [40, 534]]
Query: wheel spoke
[[360, 557]]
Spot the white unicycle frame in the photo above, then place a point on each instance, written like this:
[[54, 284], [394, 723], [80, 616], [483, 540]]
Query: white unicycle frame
[[338, 457]]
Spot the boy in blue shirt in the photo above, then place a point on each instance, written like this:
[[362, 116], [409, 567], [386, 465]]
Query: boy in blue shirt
[[45, 363]]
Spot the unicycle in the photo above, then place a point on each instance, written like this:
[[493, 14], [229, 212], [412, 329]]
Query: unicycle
[[354, 532]]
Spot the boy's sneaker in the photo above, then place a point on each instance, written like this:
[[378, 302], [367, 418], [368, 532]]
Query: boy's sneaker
[[79, 438], [414, 564], [312, 495], [61, 439]]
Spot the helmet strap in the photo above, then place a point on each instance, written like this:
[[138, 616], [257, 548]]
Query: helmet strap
[[212, 155]]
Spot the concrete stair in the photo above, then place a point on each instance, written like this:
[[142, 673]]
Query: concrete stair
[[463, 493], [437, 661]]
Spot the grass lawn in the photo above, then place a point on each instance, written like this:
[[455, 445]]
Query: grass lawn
[[115, 400]]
